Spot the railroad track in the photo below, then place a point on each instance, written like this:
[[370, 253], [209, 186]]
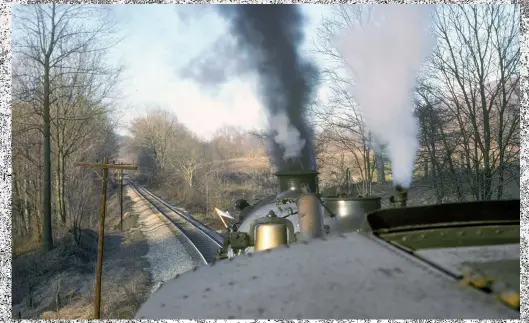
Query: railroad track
[[202, 239]]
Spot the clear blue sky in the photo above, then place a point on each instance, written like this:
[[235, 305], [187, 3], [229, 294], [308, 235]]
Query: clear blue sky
[[158, 42]]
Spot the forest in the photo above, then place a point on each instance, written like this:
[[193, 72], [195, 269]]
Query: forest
[[66, 106]]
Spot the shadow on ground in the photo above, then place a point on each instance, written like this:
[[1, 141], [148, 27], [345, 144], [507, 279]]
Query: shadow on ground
[[60, 283]]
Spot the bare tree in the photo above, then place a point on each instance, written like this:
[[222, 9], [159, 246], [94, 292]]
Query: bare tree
[[438, 142], [83, 97], [188, 159], [80, 190], [339, 118], [46, 38], [154, 132], [162, 140], [27, 177], [473, 83], [233, 142], [227, 143]]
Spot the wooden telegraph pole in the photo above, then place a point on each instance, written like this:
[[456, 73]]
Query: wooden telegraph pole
[[121, 195], [100, 242]]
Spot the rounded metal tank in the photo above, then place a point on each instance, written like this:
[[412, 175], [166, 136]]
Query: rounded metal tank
[[350, 212]]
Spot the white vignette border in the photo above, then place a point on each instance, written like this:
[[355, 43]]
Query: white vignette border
[[5, 139]]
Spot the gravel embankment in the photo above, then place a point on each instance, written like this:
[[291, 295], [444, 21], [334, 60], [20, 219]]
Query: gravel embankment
[[167, 255]]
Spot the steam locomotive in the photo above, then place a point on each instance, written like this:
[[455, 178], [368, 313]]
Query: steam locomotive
[[299, 255]]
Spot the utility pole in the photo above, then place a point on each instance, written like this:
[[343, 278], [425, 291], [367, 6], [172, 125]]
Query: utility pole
[[121, 195], [100, 243]]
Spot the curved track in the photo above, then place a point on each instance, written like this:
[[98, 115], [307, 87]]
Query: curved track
[[202, 239]]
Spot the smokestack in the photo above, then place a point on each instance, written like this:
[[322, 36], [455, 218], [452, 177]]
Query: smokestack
[[271, 36], [400, 198], [294, 181]]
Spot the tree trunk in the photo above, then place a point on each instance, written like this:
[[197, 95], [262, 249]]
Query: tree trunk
[[27, 207], [38, 216], [381, 174], [26, 204], [437, 182], [38, 201], [58, 191], [369, 173], [63, 199], [499, 193], [17, 212], [46, 203], [59, 188]]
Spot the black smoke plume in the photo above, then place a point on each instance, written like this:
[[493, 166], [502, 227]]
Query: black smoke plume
[[271, 35], [269, 38]]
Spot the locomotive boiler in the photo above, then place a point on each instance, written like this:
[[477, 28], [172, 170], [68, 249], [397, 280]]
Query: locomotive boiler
[[298, 254], [297, 213]]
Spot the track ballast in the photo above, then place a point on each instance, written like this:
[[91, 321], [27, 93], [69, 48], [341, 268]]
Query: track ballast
[[203, 240]]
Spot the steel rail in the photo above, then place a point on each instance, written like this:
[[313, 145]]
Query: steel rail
[[199, 225], [193, 233]]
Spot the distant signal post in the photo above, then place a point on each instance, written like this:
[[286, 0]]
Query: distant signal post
[[100, 243], [120, 178]]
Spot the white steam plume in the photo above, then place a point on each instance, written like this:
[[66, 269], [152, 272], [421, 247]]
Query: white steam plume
[[286, 135], [385, 56]]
